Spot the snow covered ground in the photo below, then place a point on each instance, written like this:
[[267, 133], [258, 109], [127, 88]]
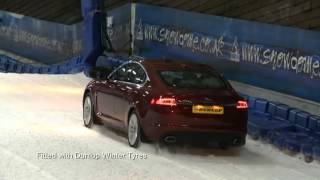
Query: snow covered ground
[[42, 137]]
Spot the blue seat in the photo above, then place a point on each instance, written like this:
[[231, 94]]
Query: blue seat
[[44, 70], [260, 111], [63, 69], [35, 70], [272, 108], [23, 68], [316, 152], [55, 69], [314, 126], [251, 102], [66, 67], [261, 108], [293, 138], [277, 114], [308, 149], [29, 69], [292, 114], [272, 136], [276, 120], [19, 68], [6, 66], [281, 112], [3, 67], [12, 67]]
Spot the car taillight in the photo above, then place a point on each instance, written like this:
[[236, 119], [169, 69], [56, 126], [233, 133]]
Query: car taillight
[[242, 105], [164, 101]]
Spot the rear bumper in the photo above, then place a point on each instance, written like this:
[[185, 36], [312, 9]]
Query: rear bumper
[[158, 126]]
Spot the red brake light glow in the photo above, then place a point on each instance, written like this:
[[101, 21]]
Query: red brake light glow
[[164, 101], [242, 105]]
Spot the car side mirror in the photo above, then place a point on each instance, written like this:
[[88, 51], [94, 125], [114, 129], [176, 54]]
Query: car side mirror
[[100, 73]]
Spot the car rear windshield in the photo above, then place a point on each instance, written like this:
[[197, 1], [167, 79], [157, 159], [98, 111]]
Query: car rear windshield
[[192, 79]]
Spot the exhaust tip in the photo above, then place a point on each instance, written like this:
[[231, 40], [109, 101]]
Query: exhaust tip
[[170, 139], [236, 142]]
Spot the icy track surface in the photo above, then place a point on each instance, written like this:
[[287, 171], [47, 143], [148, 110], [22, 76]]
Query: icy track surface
[[43, 114]]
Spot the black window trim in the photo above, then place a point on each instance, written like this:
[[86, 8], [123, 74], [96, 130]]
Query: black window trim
[[131, 62]]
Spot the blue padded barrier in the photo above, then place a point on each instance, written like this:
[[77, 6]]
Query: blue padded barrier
[[261, 105], [73, 65], [292, 115], [259, 113], [309, 150], [12, 67], [272, 108], [46, 70], [6, 66], [251, 102], [275, 120], [54, 69], [35, 70], [298, 135], [302, 121], [9, 65], [23, 68], [2, 67], [293, 138], [19, 68], [316, 152], [314, 126], [28, 69], [273, 136], [263, 126], [290, 129], [281, 112]]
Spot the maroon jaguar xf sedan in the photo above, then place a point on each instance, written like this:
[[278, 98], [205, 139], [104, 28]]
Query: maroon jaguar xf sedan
[[167, 101]]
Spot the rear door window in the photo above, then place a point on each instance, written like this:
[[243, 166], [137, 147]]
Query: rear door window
[[121, 74], [192, 79], [132, 73], [136, 74]]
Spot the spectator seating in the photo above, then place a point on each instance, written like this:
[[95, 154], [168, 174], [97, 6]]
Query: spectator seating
[[289, 129]]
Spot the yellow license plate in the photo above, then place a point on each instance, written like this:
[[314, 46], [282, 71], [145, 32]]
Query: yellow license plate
[[200, 109]]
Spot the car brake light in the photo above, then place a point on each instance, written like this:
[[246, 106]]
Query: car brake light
[[164, 101], [242, 105]]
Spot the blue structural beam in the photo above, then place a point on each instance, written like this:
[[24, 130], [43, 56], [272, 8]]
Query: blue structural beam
[[93, 18]]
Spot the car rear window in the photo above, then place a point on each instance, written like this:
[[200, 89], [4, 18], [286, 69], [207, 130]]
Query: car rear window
[[192, 79]]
